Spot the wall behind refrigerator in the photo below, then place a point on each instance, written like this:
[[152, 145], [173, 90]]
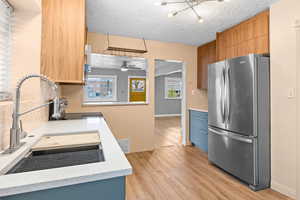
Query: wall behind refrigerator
[[284, 109]]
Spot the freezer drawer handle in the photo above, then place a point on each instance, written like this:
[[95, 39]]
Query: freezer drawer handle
[[230, 135]]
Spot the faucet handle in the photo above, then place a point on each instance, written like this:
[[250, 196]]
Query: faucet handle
[[23, 133]]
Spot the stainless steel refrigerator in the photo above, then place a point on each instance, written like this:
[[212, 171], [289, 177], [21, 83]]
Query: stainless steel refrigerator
[[239, 118]]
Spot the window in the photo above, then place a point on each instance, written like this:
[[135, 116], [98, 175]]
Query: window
[[100, 88], [173, 88], [115, 80], [5, 48]]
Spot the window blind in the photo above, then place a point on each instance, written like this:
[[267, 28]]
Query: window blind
[[5, 49]]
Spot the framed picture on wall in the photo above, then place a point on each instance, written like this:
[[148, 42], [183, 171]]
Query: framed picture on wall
[[173, 88], [136, 88], [100, 88]]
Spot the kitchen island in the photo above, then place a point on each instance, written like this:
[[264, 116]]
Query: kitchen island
[[101, 180]]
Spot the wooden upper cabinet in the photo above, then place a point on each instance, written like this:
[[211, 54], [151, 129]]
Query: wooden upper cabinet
[[63, 40], [220, 47], [206, 56], [261, 24], [250, 36]]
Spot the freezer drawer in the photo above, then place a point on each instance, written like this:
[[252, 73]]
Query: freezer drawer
[[234, 154]]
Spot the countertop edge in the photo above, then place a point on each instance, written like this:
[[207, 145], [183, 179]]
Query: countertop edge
[[198, 109], [114, 166], [62, 183]]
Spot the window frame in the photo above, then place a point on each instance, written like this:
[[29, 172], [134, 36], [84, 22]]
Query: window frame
[[166, 88], [86, 100], [5, 95]]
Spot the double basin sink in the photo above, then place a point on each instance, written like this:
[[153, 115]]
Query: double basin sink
[[54, 156]]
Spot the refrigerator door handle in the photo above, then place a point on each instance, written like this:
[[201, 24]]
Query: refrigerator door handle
[[227, 89], [223, 86], [231, 135]]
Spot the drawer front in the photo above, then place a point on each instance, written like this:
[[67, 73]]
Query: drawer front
[[232, 153]]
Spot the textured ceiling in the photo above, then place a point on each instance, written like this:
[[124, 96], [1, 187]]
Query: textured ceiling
[[163, 67], [115, 62], [141, 18]]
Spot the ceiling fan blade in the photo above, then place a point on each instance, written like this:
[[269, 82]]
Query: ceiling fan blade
[[133, 67]]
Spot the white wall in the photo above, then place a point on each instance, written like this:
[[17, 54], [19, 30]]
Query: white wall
[[137, 122], [25, 59], [284, 109]]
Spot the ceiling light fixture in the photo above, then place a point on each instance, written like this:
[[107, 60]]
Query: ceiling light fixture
[[123, 69], [190, 4]]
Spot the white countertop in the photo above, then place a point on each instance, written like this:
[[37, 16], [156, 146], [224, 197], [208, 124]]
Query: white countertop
[[115, 164], [198, 109]]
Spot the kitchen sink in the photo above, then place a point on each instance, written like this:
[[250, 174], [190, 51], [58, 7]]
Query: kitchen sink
[[54, 158]]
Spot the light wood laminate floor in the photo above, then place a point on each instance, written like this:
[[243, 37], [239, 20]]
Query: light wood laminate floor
[[184, 173], [167, 131]]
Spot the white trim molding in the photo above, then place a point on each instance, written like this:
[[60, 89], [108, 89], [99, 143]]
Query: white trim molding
[[283, 189], [297, 30], [183, 115], [169, 115]]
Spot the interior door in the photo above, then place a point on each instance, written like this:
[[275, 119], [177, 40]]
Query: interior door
[[239, 80], [216, 95]]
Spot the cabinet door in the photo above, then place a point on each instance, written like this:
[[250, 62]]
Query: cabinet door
[[199, 129], [262, 45], [248, 30], [63, 40], [261, 24], [220, 47], [235, 36], [228, 38], [206, 56], [231, 52]]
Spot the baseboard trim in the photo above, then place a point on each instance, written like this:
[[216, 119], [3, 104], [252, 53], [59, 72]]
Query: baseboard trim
[[283, 189], [169, 115]]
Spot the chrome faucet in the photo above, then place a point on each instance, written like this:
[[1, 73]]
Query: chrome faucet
[[16, 130]]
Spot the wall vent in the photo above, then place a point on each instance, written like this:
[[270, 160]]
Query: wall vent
[[124, 144]]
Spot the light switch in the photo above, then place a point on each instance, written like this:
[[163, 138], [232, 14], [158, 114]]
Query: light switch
[[292, 93], [193, 92]]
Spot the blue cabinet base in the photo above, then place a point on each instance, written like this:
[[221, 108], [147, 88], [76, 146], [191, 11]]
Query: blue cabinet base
[[99, 190], [199, 129]]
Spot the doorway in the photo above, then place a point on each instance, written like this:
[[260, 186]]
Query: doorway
[[169, 103]]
